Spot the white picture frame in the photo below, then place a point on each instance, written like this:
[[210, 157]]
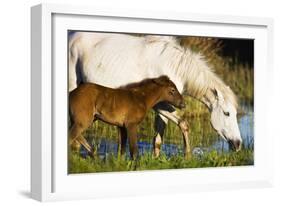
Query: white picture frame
[[49, 179]]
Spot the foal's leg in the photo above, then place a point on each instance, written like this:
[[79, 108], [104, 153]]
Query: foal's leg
[[85, 144], [75, 134], [75, 146], [122, 140], [132, 134]]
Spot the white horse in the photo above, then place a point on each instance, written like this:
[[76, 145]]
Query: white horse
[[115, 60]]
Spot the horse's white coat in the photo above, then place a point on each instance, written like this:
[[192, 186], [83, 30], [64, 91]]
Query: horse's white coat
[[115, 60]]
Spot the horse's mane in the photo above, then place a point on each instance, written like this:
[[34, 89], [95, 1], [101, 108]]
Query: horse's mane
[[194, 69]]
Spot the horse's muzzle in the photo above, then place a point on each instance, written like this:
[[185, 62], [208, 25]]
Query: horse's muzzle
[[235, 145]]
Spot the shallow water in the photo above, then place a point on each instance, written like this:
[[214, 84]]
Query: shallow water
[[202, 138]]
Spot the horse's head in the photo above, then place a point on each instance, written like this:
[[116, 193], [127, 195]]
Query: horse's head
[[169, 92], [224, 120]]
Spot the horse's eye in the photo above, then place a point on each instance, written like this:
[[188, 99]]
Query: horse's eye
[[226, 113]]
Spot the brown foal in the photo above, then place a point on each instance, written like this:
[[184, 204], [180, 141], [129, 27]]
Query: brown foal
[[123, 107]]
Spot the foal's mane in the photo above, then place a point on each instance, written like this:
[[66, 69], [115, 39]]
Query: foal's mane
[[142, 83], [135, 85]]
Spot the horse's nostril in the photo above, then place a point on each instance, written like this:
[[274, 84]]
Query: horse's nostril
[[237, 144]]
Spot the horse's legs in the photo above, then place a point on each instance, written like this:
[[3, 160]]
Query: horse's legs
[[122, 140], [183, 124], [160, 125], [132, 134], [166, 112]]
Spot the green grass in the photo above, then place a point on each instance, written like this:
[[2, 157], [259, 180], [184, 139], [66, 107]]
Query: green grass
[[147, 162]]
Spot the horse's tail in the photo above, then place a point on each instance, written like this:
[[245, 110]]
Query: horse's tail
[[78, 43], [73, 63]]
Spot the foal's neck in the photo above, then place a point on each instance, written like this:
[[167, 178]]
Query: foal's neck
[[151, 95]]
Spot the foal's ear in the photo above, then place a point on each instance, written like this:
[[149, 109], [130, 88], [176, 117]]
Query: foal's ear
[[163, 80]]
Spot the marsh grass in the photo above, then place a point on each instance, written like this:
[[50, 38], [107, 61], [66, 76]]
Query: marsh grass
[[147, 162]]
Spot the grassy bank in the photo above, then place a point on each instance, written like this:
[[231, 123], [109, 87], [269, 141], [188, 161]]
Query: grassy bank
[[147, 162]]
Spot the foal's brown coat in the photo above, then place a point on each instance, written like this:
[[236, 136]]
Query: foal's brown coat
[[124, 107]]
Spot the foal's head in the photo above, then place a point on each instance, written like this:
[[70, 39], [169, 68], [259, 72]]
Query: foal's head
[[169, 92]]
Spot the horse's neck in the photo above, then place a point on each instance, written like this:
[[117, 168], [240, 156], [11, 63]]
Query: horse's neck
[[194, 72]]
